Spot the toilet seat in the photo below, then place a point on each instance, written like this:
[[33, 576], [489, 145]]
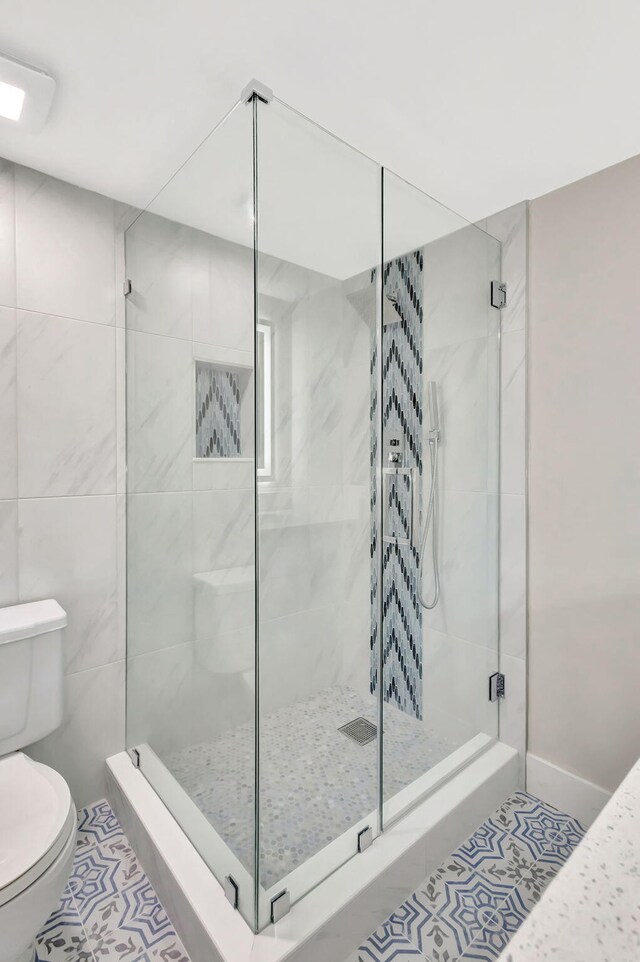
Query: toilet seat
[[37, 817]]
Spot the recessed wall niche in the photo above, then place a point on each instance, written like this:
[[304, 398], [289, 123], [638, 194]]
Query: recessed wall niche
[[222, 427]]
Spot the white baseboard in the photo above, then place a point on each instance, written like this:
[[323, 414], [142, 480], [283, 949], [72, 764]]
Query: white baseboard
[[567, 792]]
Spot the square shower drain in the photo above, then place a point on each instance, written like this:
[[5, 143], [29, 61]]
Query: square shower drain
[[360, 730]]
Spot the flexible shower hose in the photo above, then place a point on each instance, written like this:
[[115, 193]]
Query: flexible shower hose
[[431, 521]]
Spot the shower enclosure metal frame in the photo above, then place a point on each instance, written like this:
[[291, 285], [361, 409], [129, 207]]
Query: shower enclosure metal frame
[[268, 903]]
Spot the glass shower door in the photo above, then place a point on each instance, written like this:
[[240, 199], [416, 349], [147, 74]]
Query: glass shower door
[[436, 588]]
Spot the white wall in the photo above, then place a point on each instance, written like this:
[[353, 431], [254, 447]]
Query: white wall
[[58, 451], [584, 476]]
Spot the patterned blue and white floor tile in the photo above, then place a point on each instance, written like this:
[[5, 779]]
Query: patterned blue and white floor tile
[[475, 901], [109, 912]]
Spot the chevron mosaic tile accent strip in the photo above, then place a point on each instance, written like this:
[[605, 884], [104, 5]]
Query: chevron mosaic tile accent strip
[[475, 901], [217, 411], [109, 910], [402, 363]]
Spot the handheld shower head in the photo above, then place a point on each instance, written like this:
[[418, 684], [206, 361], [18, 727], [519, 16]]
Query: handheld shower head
[[433, 412]]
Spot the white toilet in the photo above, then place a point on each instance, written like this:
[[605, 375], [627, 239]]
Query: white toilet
[[37, 814]]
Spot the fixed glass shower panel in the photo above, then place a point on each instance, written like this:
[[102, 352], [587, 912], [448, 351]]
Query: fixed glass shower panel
[[318, 208], [435, 593], [190, 501]]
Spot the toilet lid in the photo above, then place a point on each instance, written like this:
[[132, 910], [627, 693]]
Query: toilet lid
[[34, 817]]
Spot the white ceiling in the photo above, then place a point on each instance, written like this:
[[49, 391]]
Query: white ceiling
[[479, 103]]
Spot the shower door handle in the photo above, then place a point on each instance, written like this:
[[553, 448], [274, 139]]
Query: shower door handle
[[398, 509]]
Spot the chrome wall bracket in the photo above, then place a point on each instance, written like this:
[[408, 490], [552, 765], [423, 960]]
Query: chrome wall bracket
[[256, 89], [496, 686], [126, 287], [280, 905], [365, 838], [134, 755], [498, 294]]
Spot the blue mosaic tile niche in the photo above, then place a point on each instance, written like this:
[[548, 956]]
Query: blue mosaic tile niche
[[218, 397]]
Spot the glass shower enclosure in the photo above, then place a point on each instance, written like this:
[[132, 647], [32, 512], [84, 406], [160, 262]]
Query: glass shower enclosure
[[312, 512]]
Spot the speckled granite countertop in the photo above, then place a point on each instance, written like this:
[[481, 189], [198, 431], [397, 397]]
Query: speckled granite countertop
[[591, 911]]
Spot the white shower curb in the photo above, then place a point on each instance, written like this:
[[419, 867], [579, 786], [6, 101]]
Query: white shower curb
[[328, 923]]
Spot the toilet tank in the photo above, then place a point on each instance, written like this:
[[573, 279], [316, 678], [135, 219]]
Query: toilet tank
[[31, 672]]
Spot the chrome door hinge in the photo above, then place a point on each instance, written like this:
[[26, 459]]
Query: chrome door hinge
[[496, 686], [126, 287], [498, 294], [134, 755]]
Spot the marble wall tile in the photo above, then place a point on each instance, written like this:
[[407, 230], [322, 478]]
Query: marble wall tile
[[160, 266], [92, 730], [8, 552], [465, 405], [160, 413], [223, 529], [513, 413], [175, 701], [67, 551], [8, 389], [65, 248], [7, 235], [300, 655], [66, 407], [283, 571], [223, 308], [513, 708], [513, 576], [160, 571], [468, 606], [354, 626], [154, 682], [457, 272], [215, 475], [456, 675]]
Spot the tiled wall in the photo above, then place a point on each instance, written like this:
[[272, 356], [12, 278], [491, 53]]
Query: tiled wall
[[58, 450], [189, 519], [191, 522]]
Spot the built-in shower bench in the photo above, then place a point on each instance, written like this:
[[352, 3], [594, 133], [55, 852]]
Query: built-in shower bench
[[591, 910]]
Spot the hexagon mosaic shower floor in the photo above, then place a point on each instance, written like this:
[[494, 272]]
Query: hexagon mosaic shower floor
[[468, 909]]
